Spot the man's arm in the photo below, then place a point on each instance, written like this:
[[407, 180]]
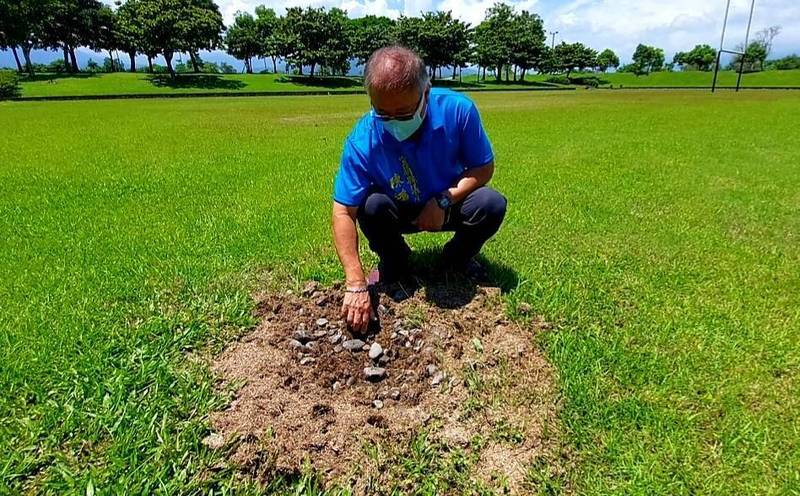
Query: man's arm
[[471, 180], [356, 308], [432, 216], [345, 237]]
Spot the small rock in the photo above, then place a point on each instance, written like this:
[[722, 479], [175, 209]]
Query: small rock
[[302, 335], [415, 331], [302, 311], [336, 386], [316, 294], [322, 322], [307, 360], [438, 378], [353, 344], [431, 369], [524, 308], [375, 351], [377, 404], [382, 309], [310, 287], [295, 344], [374, 373], [394, 335], [321, 301], [214, 441], [491, 292], [394, 394], [335, 338], [350, 381], [320, 334], [365, 347], [384, 359], [338, 348], [403, 332]]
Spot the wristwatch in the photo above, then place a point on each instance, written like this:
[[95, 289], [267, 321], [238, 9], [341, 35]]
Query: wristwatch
[[444, 202]]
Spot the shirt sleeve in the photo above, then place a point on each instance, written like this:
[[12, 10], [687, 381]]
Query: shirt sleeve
[[475, 148], [352, 182]]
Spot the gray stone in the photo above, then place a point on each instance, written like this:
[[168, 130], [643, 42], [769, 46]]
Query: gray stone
[[307, 360], [382, 309], [302, 335], [375, 351], [415, 331], [320, 334], [365, 347], [394, 335], [374, 373], [403, 332], [350, 381], [214, 441], [431, 369], [377, 404], [337, 348], [322, 322], [335, 338], [384, 359], [438, 378], [295, 344], [394, 394], [336, 386], [353, 344]]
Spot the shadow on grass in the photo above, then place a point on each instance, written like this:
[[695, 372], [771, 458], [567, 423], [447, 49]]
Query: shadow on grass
[[452, 290], [199, 81], [325, 81], [53, 77]]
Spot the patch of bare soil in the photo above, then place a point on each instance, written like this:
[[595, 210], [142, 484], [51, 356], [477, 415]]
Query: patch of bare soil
[[446, 359]]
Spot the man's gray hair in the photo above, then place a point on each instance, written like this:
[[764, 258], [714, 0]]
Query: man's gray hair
[[395, 68]]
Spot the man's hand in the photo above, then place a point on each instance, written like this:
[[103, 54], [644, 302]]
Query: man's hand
[[431, 218], [357, 310]]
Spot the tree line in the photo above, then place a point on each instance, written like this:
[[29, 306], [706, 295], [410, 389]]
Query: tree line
[[507, 43]]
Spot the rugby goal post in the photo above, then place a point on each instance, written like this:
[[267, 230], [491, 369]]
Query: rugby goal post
[[742, 54]]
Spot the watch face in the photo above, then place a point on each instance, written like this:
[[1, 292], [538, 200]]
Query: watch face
[[444, 202]]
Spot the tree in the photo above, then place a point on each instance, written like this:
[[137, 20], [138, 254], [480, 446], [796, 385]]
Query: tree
[[68, 24], [648, 59], [128, 29], [607, 58], [335, 51], [494, 38], [679, 59], [528, 46], [243, 40], [368, 34], [268, 25], [766, 36], [701, 57], [572, 56], [200, 27]]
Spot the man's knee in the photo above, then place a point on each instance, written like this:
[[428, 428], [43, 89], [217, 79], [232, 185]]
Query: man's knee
[[376, 206], [487, 205]]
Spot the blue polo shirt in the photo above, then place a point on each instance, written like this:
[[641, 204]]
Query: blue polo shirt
[[413, 171]]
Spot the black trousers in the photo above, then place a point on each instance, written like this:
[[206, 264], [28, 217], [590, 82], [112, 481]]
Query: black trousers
[[474, 220]]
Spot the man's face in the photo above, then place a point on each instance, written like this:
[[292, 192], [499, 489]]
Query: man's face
[[398, 105]]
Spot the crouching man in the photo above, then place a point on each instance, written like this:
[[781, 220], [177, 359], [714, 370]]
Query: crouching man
[[418, 161]]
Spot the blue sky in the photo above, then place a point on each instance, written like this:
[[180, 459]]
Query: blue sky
[[617, 24]]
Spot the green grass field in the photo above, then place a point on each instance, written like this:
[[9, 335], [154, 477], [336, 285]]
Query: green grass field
[[698, 78], [134, 84], [657, 230]]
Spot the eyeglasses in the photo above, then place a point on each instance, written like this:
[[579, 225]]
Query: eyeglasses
[[407, 117]]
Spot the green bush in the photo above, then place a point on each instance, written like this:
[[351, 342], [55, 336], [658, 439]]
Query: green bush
[[558, 80], [592, 81], [9, 84]]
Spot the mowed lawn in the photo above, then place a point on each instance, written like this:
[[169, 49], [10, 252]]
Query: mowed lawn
[[124, 83], [659, 232]]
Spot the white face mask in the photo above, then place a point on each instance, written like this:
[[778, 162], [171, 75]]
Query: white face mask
[[402, 130]]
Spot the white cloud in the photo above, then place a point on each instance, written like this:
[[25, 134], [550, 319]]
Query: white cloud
[[617, 24]]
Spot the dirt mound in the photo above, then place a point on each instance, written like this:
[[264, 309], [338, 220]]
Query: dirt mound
[[311, 391]]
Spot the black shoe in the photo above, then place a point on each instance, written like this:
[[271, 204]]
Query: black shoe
[[471, 269]]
